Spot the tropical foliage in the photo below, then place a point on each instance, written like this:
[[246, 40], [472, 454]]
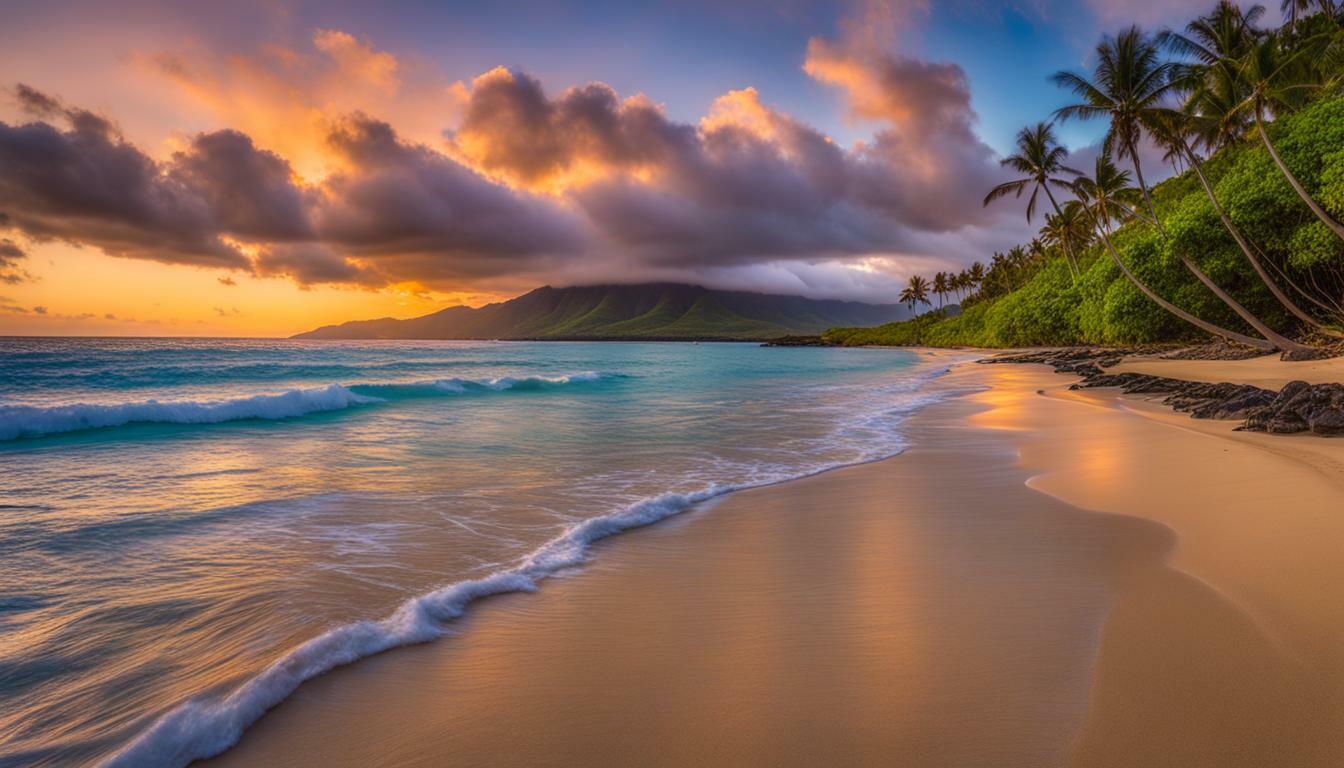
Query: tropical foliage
[[1246, 242]]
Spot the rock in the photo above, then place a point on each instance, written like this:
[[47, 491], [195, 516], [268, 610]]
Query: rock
[[1308, 353], [1329, 423], [1298, 407], [798, 341]]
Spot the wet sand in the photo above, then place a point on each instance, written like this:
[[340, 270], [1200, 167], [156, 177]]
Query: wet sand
[[953, 606]]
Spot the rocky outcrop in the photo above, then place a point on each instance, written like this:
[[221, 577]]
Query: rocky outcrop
[[1302, 407], [798, 341], [1298, 407]]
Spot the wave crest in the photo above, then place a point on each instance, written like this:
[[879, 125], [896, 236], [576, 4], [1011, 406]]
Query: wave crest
[[19, 421]]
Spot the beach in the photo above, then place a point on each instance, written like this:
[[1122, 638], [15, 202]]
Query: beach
[[1045, 577]]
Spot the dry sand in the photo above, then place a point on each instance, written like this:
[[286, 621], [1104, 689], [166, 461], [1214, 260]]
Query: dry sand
[[1267, 372], [954, 606]]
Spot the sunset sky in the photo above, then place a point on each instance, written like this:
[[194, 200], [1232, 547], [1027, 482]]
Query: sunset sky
[[263, 168]]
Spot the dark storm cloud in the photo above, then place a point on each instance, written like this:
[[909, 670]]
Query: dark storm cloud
[[251, 192], [416, 213], [749, 184], [310, 263], [86, 185]]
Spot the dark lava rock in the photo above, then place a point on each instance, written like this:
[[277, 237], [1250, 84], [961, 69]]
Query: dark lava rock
[[798, 341], [1298, 407], [1302, 407]]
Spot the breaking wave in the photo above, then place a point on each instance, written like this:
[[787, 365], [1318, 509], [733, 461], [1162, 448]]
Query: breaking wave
[[19, 421]]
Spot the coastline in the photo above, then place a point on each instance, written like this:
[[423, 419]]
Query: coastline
[[893, 608], [1057, 611]]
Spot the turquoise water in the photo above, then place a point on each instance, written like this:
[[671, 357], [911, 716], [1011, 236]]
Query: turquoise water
[[189, 528]]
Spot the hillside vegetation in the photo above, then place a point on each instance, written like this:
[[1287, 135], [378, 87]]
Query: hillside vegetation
[[659, 311], [1066, 287]]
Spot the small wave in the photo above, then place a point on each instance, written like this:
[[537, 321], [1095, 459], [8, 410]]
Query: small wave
[[19, 421], [199, 728]]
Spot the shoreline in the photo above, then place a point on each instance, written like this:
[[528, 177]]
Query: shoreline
[[430, 704]]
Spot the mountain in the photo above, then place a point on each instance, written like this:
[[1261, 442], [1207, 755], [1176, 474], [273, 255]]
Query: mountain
[[655, 311]]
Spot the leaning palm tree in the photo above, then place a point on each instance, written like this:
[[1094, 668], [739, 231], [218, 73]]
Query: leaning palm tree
[[915, 292], [1173, 131], [1130, 83], [1041, 158], [1108, 198], [1277, 77]]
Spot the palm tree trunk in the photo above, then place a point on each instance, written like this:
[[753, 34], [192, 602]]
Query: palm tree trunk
[[1280, 342], [1172, 308], [1143, 187], [1074, 269], [1246, 250], [1297, 185]]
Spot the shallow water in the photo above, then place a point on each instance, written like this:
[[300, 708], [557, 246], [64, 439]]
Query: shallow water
[[179, 517]]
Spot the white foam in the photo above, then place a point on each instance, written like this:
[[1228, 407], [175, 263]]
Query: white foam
[[34, 421], [30, 421], [199, 729]]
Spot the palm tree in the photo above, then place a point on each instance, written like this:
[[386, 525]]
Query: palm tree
[[1296, 11], [1215, 43], [915, 292], [1107, 198], [1129, 86], [941, 288], [1275, 79], [1173, 132], [976, 274], [1069, 229], [1041, 158]]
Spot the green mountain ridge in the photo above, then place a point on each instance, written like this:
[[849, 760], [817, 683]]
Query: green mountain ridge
[[650, 312]]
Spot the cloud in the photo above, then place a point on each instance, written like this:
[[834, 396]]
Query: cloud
[[416, 213], [11, 256], [925, 165], [251, 193], [528, 184], [357, 59], [311, 263], [86, 185]]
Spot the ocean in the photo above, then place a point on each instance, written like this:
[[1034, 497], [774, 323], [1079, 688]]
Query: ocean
[[190, 528]]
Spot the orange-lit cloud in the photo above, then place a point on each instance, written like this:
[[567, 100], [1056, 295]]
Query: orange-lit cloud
[[331, 162]]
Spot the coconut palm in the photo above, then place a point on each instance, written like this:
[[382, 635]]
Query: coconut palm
[[1041, 158], [941, 287], [1173, 132], [1297, 11], [915, 292], [1213, 45], [1129, 86], [1108, 198], [1068, 229], [976, 273], [1277, 78]]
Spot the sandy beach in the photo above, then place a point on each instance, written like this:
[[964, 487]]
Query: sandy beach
[[1045, 578]]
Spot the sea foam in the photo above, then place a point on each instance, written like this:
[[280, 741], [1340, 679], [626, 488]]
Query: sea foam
[[202, 728], [18, 421]]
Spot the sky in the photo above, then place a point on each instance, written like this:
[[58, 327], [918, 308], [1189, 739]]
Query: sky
[[259, 169]]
